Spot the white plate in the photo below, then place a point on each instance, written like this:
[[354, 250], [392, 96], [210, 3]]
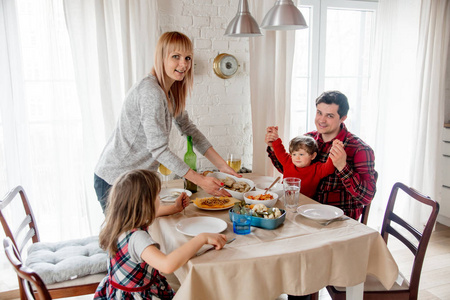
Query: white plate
[[196, 225], [320, 212], [168, 193]]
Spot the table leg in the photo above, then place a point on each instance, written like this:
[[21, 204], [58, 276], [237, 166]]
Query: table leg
[[355, 292]]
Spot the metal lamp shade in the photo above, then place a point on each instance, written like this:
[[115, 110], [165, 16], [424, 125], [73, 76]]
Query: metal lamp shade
[[243, 24], [284, 15]]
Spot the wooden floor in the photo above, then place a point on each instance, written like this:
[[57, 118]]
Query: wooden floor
[[435, 279], [434, 284]]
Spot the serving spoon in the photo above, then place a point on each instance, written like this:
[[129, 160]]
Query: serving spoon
[[273, 183]]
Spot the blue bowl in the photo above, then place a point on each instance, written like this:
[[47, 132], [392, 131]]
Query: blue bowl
[[265, 223]]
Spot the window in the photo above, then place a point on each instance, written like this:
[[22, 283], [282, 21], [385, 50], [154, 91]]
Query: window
[[332, 54], [47, 121]]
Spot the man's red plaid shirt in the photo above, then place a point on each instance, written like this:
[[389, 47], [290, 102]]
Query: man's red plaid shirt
[[354, 186]]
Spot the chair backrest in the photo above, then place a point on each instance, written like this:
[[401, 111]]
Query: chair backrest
[[422, 237], [365, 214], [366, 209], [19, 235], [28, 277]]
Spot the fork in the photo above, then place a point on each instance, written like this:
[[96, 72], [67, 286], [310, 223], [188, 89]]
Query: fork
[[212, 247], [334, 220]]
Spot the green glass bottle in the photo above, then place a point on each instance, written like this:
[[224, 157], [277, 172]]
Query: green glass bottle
[[191, 160]]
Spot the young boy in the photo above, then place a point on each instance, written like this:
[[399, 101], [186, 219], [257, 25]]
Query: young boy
[[297, 163]]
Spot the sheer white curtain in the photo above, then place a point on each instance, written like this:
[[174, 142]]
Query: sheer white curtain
[[434, 37], [40, 137], [57, 110], [12, 104], [271, 59], [407, 96], [113, 46]]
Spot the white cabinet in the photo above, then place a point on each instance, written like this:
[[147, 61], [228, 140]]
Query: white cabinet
[[444, 212]]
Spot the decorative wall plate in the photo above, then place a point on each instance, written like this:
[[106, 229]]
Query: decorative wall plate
[[225, 65]]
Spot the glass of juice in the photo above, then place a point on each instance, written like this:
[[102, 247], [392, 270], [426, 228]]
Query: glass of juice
[[165, 172], [234, 161]]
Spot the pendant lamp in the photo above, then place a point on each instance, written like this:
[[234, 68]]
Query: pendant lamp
[[243, 24], [284, 15]]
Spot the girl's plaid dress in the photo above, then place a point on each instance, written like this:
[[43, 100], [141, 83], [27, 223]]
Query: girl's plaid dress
[[129, 280]]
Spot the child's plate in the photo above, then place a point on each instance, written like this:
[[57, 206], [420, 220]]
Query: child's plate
[[197, 225], [170, 195], [320, 212]]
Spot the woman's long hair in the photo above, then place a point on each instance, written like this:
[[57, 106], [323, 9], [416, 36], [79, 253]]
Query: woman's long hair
[[167, 43], [131, 204]]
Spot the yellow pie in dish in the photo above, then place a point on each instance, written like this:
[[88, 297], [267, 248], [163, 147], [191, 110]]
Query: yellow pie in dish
[[215, 203]]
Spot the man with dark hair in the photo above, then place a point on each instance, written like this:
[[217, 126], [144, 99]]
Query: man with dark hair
[[353, 184]]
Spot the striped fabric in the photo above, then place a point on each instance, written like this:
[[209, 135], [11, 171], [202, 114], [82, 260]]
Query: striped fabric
[[129, 280], [354, 186]]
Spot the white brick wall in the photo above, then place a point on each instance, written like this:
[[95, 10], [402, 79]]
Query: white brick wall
[[219, 107]]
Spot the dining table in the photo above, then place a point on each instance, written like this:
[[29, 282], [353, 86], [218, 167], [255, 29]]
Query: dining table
[[300, 257]]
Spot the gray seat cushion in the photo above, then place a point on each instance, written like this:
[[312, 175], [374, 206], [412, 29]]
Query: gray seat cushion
[[67, 260]]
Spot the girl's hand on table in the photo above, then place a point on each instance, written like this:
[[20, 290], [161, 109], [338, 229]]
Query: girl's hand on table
[[216, 239], [182, 202]]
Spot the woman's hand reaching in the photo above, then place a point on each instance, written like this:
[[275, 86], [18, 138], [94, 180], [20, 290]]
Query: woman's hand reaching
[[211, 185], [229, 170], [214, 186]]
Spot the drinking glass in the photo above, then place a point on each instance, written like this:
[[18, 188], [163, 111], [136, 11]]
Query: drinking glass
[[165, 172], [242, 222], [291, 188], [234, 161]]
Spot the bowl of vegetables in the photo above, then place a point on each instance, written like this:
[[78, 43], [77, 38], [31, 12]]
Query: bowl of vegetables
[[262, 216], [269, 199]]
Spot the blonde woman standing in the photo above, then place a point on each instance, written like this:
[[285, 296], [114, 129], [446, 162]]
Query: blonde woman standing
[[141, 137]]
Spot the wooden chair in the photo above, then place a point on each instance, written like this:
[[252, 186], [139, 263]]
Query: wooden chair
[[30, 281], [407, 290], [68, 268], [365, 214]]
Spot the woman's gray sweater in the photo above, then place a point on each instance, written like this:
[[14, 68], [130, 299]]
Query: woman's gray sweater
[[141, 137]]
